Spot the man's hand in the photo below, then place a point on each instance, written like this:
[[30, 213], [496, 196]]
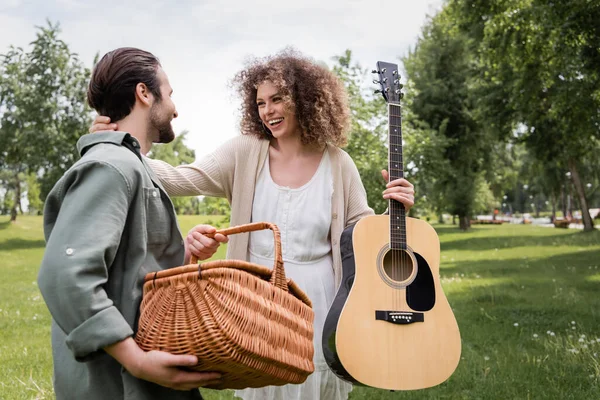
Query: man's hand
[[166, 370], [162, 368], [201, 246]]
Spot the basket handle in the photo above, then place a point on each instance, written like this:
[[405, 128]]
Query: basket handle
[[278, 277]]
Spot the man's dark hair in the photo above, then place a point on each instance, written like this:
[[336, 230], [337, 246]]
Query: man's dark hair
[[111, 91]]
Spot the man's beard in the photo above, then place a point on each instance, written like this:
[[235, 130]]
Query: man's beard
[[165, 130]]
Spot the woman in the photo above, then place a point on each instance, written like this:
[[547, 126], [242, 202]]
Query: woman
[[286, 168]]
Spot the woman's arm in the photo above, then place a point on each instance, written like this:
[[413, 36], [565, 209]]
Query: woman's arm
[[209, 176], [204, 177], [400, 190]]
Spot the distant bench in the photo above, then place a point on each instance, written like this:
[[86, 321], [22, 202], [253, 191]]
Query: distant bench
[[562, 223], [486, 222]]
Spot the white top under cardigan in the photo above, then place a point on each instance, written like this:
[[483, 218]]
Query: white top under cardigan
[[304, 220]]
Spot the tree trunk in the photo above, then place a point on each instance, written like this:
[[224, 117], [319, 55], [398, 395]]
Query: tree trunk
[[588, 224], [13, 210], [564, 201], [18, 194], [17, 200], [464, 222]]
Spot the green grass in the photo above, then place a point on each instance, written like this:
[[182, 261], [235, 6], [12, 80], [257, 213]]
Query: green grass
[[527, 301]]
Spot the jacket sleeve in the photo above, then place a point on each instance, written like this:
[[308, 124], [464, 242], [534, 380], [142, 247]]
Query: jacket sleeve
[[85, 217]]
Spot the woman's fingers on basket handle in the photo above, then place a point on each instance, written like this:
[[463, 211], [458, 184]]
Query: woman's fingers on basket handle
[[166, 370], [102, 123], [201, 245]]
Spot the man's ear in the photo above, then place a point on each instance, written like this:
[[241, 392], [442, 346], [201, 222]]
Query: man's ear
[[143, 94]]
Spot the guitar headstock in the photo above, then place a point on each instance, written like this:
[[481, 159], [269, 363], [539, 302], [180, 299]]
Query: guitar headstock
[[389, 80]]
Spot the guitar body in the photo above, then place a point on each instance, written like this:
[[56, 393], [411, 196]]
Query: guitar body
[[396, 329]]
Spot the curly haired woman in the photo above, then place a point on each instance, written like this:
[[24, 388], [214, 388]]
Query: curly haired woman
[[286, 168]]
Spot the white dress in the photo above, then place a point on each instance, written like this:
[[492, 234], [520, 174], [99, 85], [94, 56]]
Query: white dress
[[303, 216]]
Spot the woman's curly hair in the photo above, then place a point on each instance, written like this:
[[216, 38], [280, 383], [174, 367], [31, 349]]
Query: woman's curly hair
[[316, 95]]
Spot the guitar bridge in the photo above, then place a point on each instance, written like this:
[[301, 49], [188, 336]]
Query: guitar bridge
[[399, 317]]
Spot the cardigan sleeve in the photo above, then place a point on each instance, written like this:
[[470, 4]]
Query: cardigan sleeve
[[211, 175], [357, 195], [200, 178]]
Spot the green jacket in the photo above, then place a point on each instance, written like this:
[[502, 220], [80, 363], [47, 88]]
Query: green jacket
[[107, 223]]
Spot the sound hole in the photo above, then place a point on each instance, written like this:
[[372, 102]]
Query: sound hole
[[398, 265]]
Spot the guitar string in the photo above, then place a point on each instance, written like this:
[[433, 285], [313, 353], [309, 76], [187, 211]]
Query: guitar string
[[397, 258]]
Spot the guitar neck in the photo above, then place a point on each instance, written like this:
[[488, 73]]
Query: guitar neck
[[396, 171]]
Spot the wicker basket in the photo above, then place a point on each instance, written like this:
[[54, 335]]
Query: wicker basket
[[244, 320]]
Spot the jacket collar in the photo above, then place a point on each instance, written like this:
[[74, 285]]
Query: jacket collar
[[88, 141]]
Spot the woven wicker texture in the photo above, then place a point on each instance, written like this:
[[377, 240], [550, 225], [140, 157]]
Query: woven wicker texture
[[241, 319]]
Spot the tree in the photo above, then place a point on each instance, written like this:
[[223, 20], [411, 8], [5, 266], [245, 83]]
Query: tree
[[368, 141], [540, 62], [213, 206], [33, 194], [423, 151], [42, 112], [368, 134], [177, 153], [440, 68]]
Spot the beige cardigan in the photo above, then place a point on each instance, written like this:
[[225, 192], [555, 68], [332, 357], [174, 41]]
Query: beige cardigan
[[231, 172]]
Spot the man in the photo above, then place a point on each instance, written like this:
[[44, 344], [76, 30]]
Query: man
[[107, 223]]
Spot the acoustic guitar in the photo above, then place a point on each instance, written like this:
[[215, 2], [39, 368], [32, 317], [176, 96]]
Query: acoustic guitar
[[390, 325]]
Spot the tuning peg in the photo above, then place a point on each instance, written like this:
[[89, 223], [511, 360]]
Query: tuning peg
[[376, 81], [383, 70], [401, 95], [374, 71], [378, 91], [394, 72], [400, 86], [397, 91], [387, 89]]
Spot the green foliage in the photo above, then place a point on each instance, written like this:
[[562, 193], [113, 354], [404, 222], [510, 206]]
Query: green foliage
[[33, 194], [174, 153], [8, 201], [424, 157], [538, 66], [177, 153], [214, 206], [42, 109], [485, 201], [368, 135], [491, 76], [441, 73]]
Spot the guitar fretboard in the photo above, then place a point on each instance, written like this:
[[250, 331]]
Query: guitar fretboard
[[396, 171]]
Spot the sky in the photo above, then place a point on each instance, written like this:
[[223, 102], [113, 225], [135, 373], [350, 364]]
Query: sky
[[202, 44]]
